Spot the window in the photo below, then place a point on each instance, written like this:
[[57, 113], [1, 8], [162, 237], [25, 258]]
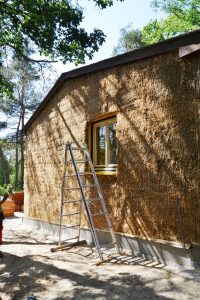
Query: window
[[104, 145]]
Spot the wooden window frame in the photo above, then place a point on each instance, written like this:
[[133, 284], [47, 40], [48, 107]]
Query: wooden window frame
[[107, 169]]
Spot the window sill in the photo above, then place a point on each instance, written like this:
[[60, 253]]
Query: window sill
[[106, 173]]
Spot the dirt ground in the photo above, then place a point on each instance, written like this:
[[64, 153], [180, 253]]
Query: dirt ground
[[28, 268]]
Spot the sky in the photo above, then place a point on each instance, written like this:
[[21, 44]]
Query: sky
[[110, 21]]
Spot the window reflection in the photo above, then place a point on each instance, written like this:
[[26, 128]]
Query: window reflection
[[101, 144], [112, 143]]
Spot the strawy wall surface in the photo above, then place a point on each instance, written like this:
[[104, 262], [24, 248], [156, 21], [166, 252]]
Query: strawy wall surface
[[157, 103]]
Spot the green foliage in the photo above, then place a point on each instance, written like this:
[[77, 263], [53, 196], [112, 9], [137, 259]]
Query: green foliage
[[6, 87], [2, 191], [4, 168], [54, 27], [3, 125], [5, 190], [156, 31], [13, 177], [184, 16], [104, 3], [186, 10], [8, 147], [1, 176], [130, 39]]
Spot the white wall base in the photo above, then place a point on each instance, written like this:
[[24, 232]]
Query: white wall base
[[169, 253]]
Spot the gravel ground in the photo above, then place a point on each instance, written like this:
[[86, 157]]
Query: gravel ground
[[28, 268]]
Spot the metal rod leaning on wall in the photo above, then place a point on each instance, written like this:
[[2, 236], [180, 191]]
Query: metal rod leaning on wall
[[182, 237]]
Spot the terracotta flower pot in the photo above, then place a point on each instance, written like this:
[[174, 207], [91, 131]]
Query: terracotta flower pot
[[18, 198], [8, 208]]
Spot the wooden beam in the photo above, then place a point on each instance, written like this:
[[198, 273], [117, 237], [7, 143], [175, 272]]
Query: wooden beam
[[187, 50], [68, 246]]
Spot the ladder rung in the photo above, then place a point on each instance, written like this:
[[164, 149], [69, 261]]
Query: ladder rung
[[72, 214], [81, 174], [105, 245], [77, 161], [78, 188], [81, 161], [72, 201], [85, 173], [70, 175], [98, 214], [106, 228], [90, 185], [80, 200], [93, 199], [74, 188], [65, 227], [76, 148]]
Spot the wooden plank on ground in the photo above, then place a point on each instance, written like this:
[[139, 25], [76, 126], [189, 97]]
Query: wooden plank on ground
[[68, 246]]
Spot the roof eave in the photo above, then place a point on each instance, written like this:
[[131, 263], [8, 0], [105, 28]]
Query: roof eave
[[128, 57]]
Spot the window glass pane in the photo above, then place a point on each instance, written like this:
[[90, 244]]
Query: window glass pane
[[112, 143], [101, 144]]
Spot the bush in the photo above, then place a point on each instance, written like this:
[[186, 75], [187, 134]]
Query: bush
[[5, 190]]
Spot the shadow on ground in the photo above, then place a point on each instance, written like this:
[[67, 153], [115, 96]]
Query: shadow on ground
[[23, 276]]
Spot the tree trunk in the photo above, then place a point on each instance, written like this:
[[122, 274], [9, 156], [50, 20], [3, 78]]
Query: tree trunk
[[22, 150], [4, 168], [17, 156]]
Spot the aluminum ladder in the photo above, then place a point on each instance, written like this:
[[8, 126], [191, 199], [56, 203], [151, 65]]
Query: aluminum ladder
[[97, 202]]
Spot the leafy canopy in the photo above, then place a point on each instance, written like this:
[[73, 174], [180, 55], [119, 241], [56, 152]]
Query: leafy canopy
[[157, 31], [183, 16], [186, 10], [5, 190], [53, 26], [130, 39]]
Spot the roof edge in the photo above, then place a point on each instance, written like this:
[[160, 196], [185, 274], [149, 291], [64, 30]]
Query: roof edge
[[174, 43]]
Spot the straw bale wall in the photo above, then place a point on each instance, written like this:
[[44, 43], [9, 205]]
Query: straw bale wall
[[157, 104]]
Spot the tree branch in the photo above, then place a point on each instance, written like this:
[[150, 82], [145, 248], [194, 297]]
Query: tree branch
[[31, 59]]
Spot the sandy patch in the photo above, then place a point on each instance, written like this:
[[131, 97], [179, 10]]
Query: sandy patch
[[29, 268]]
